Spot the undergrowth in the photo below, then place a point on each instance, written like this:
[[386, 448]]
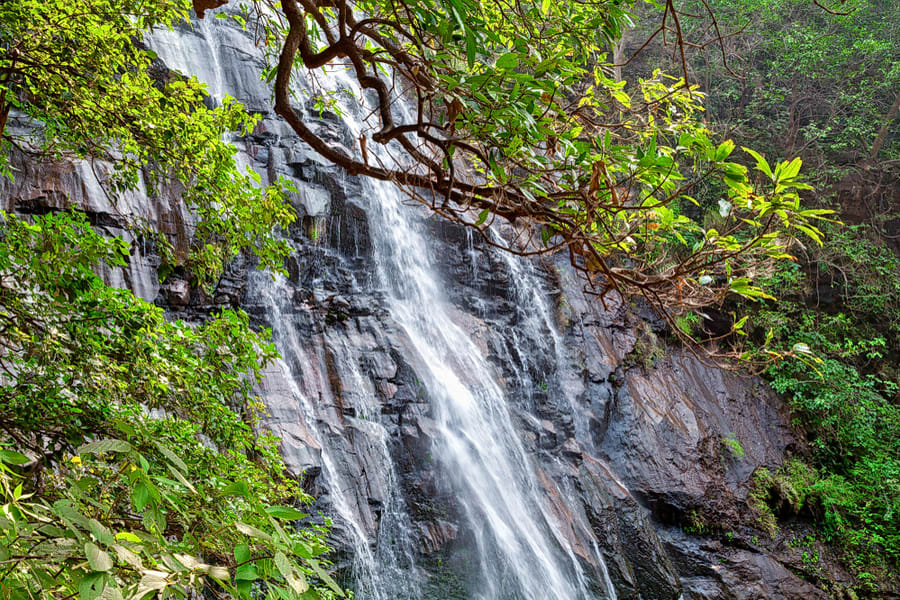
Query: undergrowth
[[847, 405]]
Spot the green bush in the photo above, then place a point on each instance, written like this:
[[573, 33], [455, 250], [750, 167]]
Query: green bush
[[130, 460], [846, 403]]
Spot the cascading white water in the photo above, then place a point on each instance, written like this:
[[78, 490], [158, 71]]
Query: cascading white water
[[521, 553], [540, 323], [389, 575], [478, 445], [380, 571]]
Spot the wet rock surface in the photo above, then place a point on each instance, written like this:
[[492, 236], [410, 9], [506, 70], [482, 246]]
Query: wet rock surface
[[713, 571], [625, 434]]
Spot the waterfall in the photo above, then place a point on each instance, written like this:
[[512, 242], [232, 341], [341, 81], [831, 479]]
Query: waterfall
[[470, 426], [521, 554], [478, 445], [376, 575]]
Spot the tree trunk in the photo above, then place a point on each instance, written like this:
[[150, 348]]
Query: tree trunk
[[618, 57], [882, 133]]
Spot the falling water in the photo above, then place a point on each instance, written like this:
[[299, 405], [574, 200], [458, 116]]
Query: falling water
[[478, 445], [376, 575], [539, 322], [521, 553]]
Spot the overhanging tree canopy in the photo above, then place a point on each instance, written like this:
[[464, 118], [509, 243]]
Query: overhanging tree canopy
[[518, 113]]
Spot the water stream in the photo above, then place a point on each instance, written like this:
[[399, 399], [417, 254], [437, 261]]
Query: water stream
[[521, 552]]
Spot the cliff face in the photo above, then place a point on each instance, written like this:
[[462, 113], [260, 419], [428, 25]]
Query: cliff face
[[474, 425]]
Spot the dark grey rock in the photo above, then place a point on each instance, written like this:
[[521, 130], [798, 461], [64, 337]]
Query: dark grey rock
[[177, 293]]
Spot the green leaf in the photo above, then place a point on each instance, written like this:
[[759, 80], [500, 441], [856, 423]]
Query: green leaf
[[13, 458], [66, 510], [496, 169], [724, 150], [325, 577], [470, 47], [237, 488], [242, 553], [482, 217], [246, 572], [128, 537], [100, 532], [545, 235], [98, 560], [508, 61], [302, 549], [140, 496], [171, 456], [285, 512], [91, 586], [791, 169], [252, 531], [761, 163], [109, 445], [294, 578]]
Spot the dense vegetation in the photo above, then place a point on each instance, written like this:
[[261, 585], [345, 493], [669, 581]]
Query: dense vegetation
[[73, 68], [823, 84], [130, 461]]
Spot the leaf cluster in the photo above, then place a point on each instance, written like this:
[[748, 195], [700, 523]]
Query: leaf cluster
[[77, 83], [147, 475]]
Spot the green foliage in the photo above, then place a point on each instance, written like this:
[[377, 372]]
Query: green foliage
[[821, 85], [146, 473], [524, 94], [814, 83], [687, 322], [847, 404], [82, 87], [147, 476], [864, 271], [787, 490], [731, 443], [758, 500], [857, 447], [647, 348], [696, 524]]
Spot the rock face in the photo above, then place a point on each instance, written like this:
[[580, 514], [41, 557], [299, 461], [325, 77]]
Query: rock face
[[619, 438]]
